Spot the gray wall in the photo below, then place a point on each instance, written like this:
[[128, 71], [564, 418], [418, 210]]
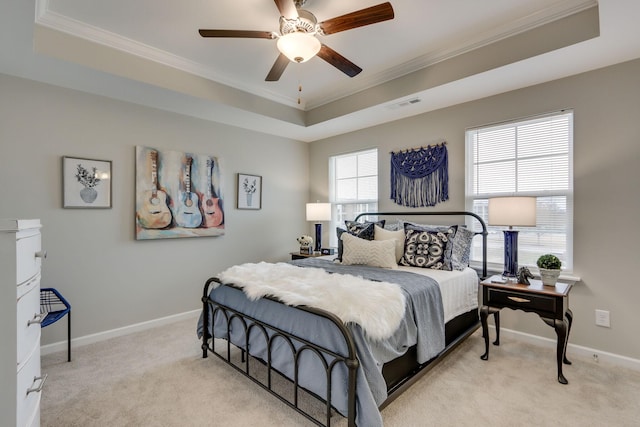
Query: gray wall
[[606, 105], [110, 279], [114, 281]]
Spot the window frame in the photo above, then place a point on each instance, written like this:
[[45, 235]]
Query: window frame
[[495, 232], [339, 215]]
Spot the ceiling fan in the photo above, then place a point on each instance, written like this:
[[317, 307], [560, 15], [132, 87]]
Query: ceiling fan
[[297, 41]]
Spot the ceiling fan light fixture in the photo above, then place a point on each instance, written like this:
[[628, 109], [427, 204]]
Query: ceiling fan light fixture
[[298, 46]]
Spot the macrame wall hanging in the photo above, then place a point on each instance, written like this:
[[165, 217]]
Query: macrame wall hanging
[[420, 176]]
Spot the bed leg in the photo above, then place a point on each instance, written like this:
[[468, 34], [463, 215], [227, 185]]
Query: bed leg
[[205, 327], [204, 351], [205, 317], [352, 365]]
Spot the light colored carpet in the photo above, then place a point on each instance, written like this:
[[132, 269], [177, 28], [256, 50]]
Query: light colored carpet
[[158, 378]]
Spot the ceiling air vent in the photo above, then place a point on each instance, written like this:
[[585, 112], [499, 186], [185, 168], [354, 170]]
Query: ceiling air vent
[[404, 103]]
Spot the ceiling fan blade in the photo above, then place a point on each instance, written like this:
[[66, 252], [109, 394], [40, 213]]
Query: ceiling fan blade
[[277, 69], [360, 18], [238, 33], [339, 61], [287, 8]]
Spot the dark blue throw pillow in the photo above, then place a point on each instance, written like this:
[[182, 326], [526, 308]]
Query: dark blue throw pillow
[[428, 247]]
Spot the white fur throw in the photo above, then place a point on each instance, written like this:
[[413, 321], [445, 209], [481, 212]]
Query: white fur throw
[[378, 307]]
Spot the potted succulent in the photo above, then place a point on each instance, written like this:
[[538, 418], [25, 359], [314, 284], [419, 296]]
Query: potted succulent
[[549, 266]]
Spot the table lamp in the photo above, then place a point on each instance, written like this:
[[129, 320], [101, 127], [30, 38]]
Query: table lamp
[[512, 212], [318, 212]]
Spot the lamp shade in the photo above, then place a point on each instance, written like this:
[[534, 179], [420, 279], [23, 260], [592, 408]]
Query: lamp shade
[[512, 211], [318, 211], [298, 46]]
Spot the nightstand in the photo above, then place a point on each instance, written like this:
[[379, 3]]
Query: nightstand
[[550, 303], [298, 255]]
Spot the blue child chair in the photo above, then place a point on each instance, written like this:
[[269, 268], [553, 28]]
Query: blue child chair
[[56, 307]]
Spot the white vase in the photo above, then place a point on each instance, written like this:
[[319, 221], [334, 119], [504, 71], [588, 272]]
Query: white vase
[[88, 194], [549, 277]]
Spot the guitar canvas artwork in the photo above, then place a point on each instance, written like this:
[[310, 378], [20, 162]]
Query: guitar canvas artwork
[[213, 216], [188, 212], [178, 194], [155, 213]]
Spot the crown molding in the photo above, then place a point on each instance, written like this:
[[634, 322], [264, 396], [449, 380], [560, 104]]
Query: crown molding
[[503, 32], [48, 18]]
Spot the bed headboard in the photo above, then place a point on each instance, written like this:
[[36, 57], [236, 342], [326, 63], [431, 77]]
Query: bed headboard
[[482, 233]]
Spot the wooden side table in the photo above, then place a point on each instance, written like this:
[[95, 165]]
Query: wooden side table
[[550, 303]]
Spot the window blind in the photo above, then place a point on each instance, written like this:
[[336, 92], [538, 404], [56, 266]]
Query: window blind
[[353, 186], [529, 157]]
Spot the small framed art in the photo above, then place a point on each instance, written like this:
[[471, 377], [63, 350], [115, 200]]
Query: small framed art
[[86, 183], [249, 191]]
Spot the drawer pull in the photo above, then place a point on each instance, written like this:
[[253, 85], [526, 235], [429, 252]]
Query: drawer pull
[[37, 319], [38, 389], [41, 254], [518, 299]]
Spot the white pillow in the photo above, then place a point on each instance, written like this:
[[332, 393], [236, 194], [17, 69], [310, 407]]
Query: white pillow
[[397, 236], [374, 253]]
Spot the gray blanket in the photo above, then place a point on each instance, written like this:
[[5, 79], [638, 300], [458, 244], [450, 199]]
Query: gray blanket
[[423, 325], [424, 311]]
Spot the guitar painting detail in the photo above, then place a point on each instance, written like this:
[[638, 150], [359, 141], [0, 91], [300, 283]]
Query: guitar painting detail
[[188, 213], [213, 215], [178, 194], [155, 213]]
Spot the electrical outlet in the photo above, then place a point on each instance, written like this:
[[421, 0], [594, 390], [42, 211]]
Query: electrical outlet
[[602, 318], [595, 357]]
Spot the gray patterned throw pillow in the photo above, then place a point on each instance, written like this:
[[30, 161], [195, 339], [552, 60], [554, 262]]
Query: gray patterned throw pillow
[[428, 247], [461, 250]]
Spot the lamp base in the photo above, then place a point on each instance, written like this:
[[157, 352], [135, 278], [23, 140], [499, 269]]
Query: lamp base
[[510, 253], [318, 237]]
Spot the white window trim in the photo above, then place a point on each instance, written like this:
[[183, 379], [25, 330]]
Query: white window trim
[[567, 272], [332, 192]]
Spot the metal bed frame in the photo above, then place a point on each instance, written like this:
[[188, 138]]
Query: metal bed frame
[[410, 373]]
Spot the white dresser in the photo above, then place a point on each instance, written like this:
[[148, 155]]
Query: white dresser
[[20, 261]]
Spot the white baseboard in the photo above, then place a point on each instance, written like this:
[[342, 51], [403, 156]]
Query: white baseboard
[[101, 336], [597, 356]]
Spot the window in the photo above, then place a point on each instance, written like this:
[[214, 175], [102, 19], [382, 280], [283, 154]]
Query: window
[[353, 187], [531, 157]]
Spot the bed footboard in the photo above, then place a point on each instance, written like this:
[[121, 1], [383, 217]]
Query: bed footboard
[[399, 375], [329, 358]]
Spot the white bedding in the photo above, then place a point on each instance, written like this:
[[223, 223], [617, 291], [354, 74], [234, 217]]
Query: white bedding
[[459, 289]]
